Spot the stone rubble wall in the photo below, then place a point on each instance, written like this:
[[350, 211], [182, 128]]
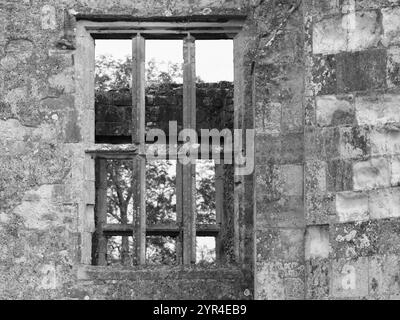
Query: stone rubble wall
[[320, 214]]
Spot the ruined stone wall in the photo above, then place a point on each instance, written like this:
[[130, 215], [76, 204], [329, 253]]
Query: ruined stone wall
[[352, 144], [327, 121], [278, 105], [164, 103], [46, 180], [318, 219]]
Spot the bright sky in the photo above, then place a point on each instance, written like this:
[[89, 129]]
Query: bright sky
[[214, 58]]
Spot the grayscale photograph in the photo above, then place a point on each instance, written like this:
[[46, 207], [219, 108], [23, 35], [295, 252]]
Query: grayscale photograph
[[205, 155]]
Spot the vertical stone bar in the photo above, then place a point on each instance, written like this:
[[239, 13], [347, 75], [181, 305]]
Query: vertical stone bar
[[141, 207], [100, 246], [189, 170], [138, 137], [179, 212], [138, 90], [239, 102], [219, 210]]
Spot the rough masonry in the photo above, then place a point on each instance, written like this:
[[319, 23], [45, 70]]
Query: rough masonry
[[320, 215]]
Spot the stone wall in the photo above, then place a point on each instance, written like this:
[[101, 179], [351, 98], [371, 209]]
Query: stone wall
[[327, 122], [319, 219], [279, 86], [352, 144], [46, 179], [164, 103]]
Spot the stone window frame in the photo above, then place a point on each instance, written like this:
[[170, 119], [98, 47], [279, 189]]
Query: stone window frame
[[87, 32]]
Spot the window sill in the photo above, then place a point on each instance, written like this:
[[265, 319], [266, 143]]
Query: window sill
[[85, 272]]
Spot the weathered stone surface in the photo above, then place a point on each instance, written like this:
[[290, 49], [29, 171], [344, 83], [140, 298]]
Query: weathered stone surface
[[320, 209], [354, 239], [393, 68], [391, 25], [383, 275], [280, 280], [340, 176], [329, 37], [355, 72], [384, 203], [44, 130], [292, 148], [371, 174], [315, 177], [364, 29], [350, 278], [287, 212], [269, 283], [328, 48], [268, 118], [377, 110], [354, 142], [324, 74], [318, 278], [352, 206], [317, 244], [349, 32], [395, 174], [322, 143], [280, 244], [333, 111]]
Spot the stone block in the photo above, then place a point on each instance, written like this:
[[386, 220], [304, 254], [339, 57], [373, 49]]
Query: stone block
[[320, 209], [355, 72], [354, 239], [393, 67], [317, 279], [378, 141], [354, 142], [384, 203], [322, 143], [315, 177], [267, 149], [292, 148], [388, 241], [317, 244], [364, 30], [374, 173], [322, 7], [292, 179], [268, 183], [292, 115], [350, 278], [324, 74], [339, 175], [352, 206], [395, 177], [329, 37], [334, 111], [349, 32], [268, 118], [391, 26], [287, 212], [384, 275], [309, 111], [313, 144], [280, 244], [269, 283], [378, 110], [86, 248], [89, 192], [294, 288]]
